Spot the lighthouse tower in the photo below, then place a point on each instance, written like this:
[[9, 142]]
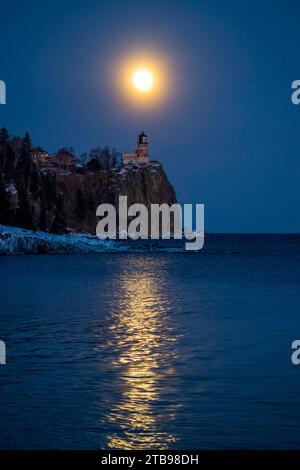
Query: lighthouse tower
[[141, 154], [142, 150]]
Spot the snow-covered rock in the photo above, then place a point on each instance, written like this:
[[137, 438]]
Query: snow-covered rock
[[15, 240], [19, 240]]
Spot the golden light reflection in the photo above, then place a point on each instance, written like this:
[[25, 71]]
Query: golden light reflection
[[143, 335]]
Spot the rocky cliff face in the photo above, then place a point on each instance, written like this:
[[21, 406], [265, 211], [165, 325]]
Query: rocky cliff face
[[60, 201], [82, 194]]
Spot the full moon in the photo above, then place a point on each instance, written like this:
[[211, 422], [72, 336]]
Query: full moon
[[143, 80]]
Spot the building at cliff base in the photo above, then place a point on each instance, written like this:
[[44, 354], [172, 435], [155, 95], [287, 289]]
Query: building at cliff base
[[141, 154]]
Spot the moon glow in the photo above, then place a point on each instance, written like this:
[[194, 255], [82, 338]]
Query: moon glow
[[143, 80]]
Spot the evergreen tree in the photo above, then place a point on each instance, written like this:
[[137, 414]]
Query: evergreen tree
[[4, 136], [25, 213], [4, 141], [43, 210], [35, 184], [49, 182], [27, 143], [16, 146], [5, 215], [26, 163], [59, 224], [94, 165]]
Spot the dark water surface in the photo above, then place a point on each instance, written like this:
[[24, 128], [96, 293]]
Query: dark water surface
[[153, 350]]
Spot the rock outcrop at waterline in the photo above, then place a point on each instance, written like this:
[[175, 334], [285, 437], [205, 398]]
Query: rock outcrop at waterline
[[16, 240], [63, 201]]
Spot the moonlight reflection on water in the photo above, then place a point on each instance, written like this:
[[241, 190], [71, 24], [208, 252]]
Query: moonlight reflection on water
[[142, 334]]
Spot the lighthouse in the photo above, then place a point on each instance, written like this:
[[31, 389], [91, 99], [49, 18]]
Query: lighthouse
[[141, 154], [142, 150]]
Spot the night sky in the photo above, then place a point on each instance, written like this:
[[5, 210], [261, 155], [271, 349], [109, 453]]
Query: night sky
[[228, 135]]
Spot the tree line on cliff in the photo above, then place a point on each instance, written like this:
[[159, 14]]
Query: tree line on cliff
[[31, 198]]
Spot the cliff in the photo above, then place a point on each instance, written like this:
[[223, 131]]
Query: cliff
[[61, 201], [143, 183], [56, 194]]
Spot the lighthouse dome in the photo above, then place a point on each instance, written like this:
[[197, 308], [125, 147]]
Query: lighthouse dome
[[142, 138]]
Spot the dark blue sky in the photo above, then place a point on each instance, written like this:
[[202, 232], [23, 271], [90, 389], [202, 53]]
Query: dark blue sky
[[228, 137]]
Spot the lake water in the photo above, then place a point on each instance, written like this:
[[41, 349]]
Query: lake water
[[153, 350]]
